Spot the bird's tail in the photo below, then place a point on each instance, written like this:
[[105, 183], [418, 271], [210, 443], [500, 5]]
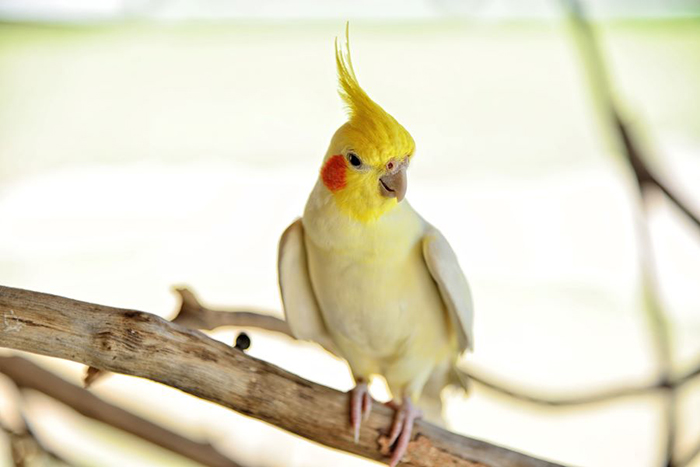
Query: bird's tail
[[430, 401], [460, 379]]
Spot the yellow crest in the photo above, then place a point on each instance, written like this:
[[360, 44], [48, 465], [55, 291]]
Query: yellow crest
[[375, 134]]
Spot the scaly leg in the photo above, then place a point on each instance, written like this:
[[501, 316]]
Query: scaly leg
[[360, 406], [401, 429]]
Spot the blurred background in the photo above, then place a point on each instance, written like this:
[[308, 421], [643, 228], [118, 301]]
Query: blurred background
[[136, 135]]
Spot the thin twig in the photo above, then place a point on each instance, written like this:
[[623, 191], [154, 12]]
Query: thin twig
[[145, 345], [193, 315], [660, 329], [602, 396], [673, 197], [92, 374], [267, 322]]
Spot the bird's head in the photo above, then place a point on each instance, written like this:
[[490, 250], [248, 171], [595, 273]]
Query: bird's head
[[365, 166]]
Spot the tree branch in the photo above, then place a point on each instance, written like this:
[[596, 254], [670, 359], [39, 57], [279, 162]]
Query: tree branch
[[27, 375], [144, 345]]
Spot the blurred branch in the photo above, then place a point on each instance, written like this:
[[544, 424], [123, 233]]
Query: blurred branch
[[644, 175], [603, 395], [659, 324], [190, 306], [27, 375], [598, 77], [193, 315], [145, 345], [25, 446], [690, 457]]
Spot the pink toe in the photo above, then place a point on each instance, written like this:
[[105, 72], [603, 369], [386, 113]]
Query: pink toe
[[402, 443], [396, 426], [403, 429], [366, 405], [357, 408]]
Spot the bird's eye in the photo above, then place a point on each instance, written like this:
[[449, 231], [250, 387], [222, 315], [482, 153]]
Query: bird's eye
[[354, 160]]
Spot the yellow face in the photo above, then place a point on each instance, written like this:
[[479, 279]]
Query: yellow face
[[365, 167], [365, 170]]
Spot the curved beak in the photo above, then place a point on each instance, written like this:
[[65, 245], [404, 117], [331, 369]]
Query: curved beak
[[393, 185]]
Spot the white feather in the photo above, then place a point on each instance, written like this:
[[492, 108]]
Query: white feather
[[298, 299], [454, 289]]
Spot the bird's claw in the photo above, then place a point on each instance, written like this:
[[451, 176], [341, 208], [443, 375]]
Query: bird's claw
[[360, 407], [401, 430]]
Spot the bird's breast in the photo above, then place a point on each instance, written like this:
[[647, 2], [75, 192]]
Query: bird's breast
[[379, 303], [370, 280]]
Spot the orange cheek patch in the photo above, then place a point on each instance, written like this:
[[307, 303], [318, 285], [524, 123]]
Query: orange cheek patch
[[333, 173]]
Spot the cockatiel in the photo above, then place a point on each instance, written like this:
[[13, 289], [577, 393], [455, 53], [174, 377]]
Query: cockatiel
[[363, 275]]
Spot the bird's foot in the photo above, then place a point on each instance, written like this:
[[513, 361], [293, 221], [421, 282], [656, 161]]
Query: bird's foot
[[401, 430], [360, 407]]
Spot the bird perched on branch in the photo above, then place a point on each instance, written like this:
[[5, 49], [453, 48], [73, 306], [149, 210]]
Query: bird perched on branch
[[366, 277]]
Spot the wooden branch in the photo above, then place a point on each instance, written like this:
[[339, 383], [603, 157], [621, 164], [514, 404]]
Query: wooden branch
[[27, 375], [192, 314], [144, 345]]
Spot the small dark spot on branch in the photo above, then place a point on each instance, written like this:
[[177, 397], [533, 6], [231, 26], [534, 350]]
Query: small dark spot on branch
[[242, 341]]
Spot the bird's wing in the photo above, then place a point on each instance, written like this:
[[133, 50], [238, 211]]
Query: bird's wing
[[300, 306], [444, 267]]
